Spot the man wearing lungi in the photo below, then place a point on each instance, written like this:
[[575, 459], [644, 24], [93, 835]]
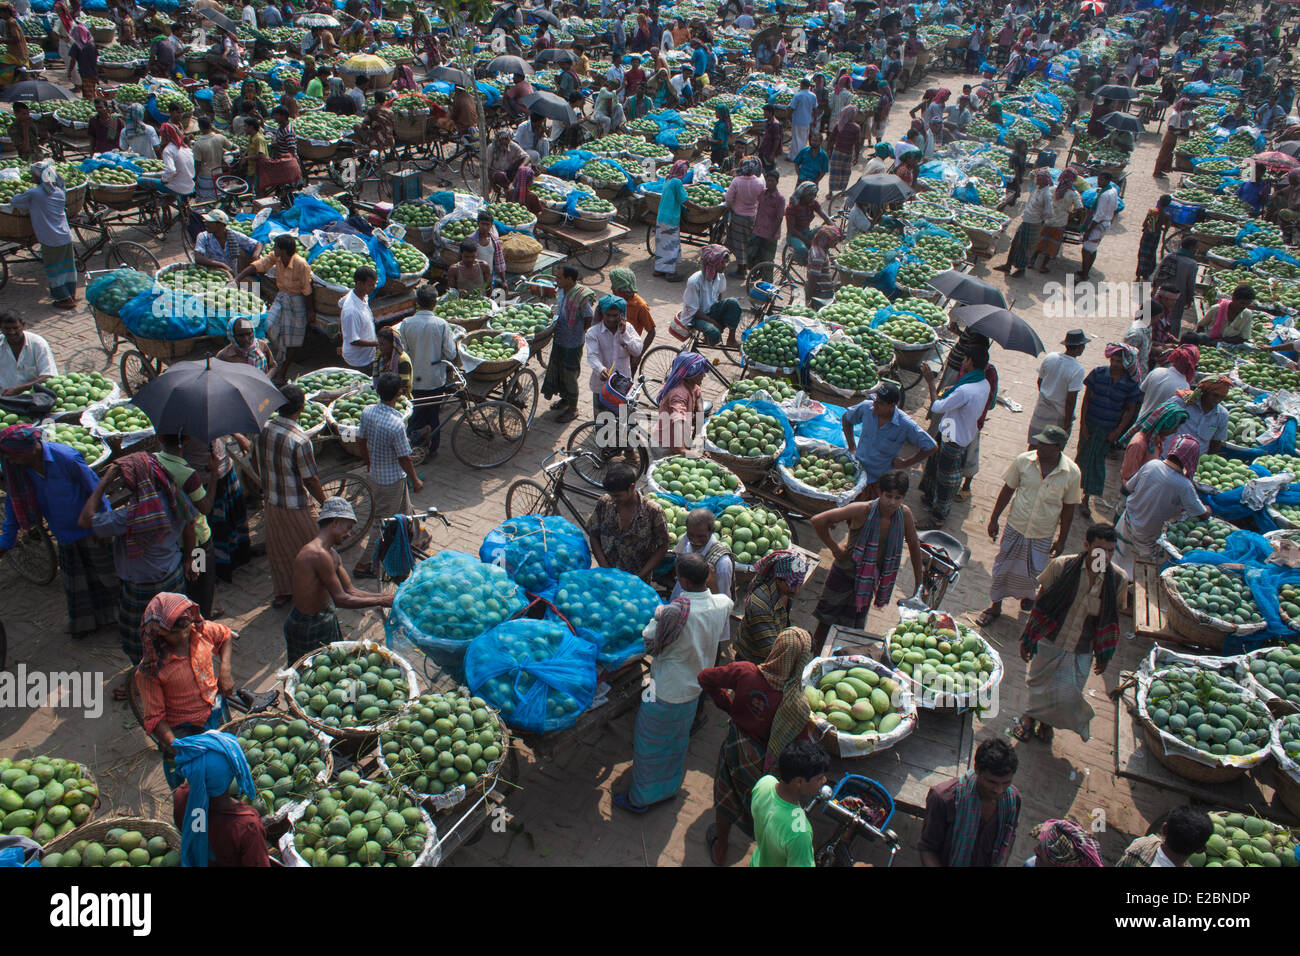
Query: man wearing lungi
[[1042, 487], [292, 310], [961, 407]]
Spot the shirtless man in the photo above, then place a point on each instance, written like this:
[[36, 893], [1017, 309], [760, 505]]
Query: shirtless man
[[320, 584]]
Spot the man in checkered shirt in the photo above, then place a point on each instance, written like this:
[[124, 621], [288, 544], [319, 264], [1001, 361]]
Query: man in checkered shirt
[[387, 453]]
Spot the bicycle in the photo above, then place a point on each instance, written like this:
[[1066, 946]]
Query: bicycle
[[158, 216], [408, 534], [529, 497], [859, 807], [463, 163], [488, 431], [588, 440], [33, 557]]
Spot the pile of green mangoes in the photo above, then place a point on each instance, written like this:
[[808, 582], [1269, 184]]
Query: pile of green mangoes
[[751, 531], [79, 438], [285, 758], [409, 259], [939, 252], [491, 348], [1191, 196], [44, 797], [338, 266], [613, 144], [1279, 669], [1288, 732], [979, 221], [871, 299], [705, 196], [1199, 534], [641, 126], [938, 657], [125, 418], [930, 313], [226, 301], [1270, 377], [78, 390], [860, 259], [463, 310], [1215, 361], [1222, 474], [458, 229], [117, 53], [120, 847], [526, 319], [602, 173], [193, 279], [13, 418], [360, 822], [1222, 595], [112, 176], [845, 365], [693, 478], [745, 432], [773, 344], [1241, 840], [831, 473], [166, 97], [510, 213], [76, 111], [350, 688], [644, 150], [595, 206], [856, 701], [1291, 513], [915, 275], [674, 517], [347, 409], [417, 215], [325, 127], [1208, 711], [778, 388], [448, 740], [322, 381], [1276, 464], [546, 194], [906, 329], [129, 93], [1244, 428], [312, 414]]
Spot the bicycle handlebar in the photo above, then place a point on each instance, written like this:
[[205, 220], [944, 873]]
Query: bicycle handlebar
[[844, 815]]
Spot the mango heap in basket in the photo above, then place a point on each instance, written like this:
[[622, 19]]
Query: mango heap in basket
[[44, 797], [338, 266], [938, 658], [1279, 668], [1243, 840], [349, 688], [752, 531], [448, 740], [323, 381], [778, 388], [745, 432], [1222, 595], [1208, 712], [845, 365], [1222, 474], [1206, 533], [79, 438], [125, 418], [491, 348], [527, 319], [348, 408], [463, 310], [285, 758], [856, 701], [358, 822], [78, 390], [828, 472], [772, 344], [417, 214], [693, 478]]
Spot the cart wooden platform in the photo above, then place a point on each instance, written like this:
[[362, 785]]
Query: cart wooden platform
[[1151, 609], [940, 749], [591, 250]]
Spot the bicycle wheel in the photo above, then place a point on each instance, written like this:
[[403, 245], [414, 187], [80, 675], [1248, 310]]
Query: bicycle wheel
[[488, 434], [136, 371], [33, 558], [521, 390], [588, 438], [131, 255], [650, 238], [527, 497], [471, 172], [356, 488], [597, 258], [656, 365]]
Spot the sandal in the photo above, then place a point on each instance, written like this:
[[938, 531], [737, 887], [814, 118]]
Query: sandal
[[1044, 733], [987, 617], [710, 839], [1022, 732]]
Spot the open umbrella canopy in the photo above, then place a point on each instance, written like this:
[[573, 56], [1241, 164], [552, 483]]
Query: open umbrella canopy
[[1002, 326], [208, 399], [1125, 122], [1112, 91], [1095, 6], [220, 19], [316, 20], [555, 55], [550, 106], [543, 16], [1290, 148], [881, 189], [34, 91], [365, 64], [968, 290], [1277, 159], [509, 64], [449, 74]]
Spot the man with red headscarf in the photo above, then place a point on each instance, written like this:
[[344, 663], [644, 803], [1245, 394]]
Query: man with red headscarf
[[177, 177]]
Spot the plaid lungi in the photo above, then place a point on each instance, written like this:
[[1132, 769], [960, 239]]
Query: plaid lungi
[[89, 583], [288, 317], [1055, 681], [659, 742], [942, 477], [738, 233], [839, 600], [133, 598], [391, 499], [60, 271], [970, 465], [740, 764], [668, 247], [303, 633], [229, 524], [287, 530], [1024, 243], [1092, 461], [841, 169], [1016, 568], [562, 370]]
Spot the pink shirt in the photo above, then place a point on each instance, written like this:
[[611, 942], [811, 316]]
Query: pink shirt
[[743, 193]]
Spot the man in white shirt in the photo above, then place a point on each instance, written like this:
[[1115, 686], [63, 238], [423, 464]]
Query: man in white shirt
[[249, 16], [25, 357], [531, 135], [961, 407], [358, 322], [611, 346], [1102, 215], [429, 340], [700, 539], [682, 642], [1060, 380], [836, 10]]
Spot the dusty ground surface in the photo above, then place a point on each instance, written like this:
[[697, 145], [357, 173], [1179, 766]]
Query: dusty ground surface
[[561, 808]]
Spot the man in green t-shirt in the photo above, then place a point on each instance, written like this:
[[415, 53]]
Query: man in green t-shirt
[[782, 833]]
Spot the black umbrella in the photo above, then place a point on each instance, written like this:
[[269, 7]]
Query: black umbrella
[[220, 19], [34, 91], [968, 290], [555, 55], [545, 16], [509, 64], [550, 106], [449, 74], [881, 189], [1125, 122], [1113, 91], [1290, 147], [1002, 326], [207, 400]]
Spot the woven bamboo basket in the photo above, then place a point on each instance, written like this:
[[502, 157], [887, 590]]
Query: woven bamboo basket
[[104, 35], [1287, 786], [747, 469], [110, 324], [522, 264], [411, 127], [115, 197], [1195, 626], [272, 717], [1186, 767], [119, 72], [594, 222], [166, 350], [440, 802], [650, 206], [492, 371], [16, 226], [702, 215], [75, 199], [98, 830], [315, 150], [548, 215], [353, 733]]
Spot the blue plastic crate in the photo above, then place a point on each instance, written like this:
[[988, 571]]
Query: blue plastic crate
[[1183, 214]]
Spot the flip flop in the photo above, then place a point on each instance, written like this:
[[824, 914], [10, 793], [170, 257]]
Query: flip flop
[[623, 802], [985, 618], [1020, 733]]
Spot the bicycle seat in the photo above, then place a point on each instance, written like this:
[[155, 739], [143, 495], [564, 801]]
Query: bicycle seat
[[957, 553]]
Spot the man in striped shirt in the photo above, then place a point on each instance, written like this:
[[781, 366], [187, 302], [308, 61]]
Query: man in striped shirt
[[387, 453], [285, 141]]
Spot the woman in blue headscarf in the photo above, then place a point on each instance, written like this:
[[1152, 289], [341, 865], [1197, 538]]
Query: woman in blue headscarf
[[215, 829], [46, 203], [138, 136], [679, 402]]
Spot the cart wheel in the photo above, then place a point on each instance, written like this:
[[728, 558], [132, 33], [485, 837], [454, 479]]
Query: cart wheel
[[650, 238], [520, 390], [356, 489], [132, 255], [107, 341], [587, 438], [656, 365], [470, 172], [136, 372], [596, 259], [34, 559], [488, 434], [527, 497]]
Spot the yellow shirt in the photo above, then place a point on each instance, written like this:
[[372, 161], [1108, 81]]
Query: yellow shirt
[[1035, 510], [256, 148], [293, 278]]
